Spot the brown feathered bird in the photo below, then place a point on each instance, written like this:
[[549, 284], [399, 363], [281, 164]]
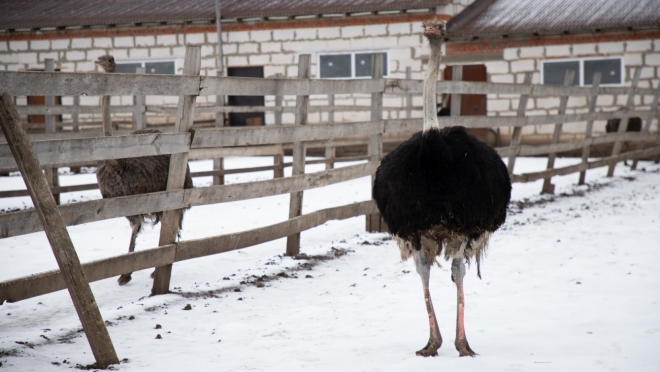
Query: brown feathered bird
[[132, 176]]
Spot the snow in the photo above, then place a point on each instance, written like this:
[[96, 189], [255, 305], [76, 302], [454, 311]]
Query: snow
[[570, 282]]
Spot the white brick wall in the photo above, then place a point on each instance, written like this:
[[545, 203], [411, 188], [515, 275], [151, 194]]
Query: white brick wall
[[81, 43], [40, 44], [124, 42]]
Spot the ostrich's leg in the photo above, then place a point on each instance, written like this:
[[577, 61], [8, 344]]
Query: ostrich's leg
[[424, 270], [457, 274], [136, 226]]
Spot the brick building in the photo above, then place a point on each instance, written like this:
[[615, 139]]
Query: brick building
[[546, 37], [259, 38]]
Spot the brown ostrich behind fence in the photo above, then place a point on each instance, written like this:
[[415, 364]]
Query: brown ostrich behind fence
[[133, 176]]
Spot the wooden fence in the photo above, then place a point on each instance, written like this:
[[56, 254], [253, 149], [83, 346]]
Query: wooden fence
[[220, 142]]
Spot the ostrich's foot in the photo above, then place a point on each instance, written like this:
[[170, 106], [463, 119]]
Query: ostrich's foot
[[464, 348], [431, 348], [124, 279]]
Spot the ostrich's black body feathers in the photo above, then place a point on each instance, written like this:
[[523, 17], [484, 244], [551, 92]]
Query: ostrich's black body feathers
[[442, 184], [132, 176]]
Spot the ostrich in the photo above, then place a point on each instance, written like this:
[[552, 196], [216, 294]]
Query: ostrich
[[442, 190], [634, 125], [132, 176]]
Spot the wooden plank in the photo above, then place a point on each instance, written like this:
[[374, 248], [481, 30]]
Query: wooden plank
[[590, 125], [71, 110], [54, 190], [139, 113], [96, 84], [278, 159], [329, 149], [265, 135], [298, 167], [375, 149], [457, 76], [527, 150], [226, 243], [52, 174], [624, 120], [530, 177], [51, 281], [548, 187], [223, 152], [256, 86], [25, 222], [517, 131], [58, 237], [57, 153], [219, 162], [171, 220]]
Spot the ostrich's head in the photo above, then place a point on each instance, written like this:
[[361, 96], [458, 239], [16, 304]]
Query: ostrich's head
[[434, 31], [107, 63]]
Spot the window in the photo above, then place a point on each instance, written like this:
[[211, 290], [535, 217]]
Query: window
[[348, 65], [150, 67], [611, 69]]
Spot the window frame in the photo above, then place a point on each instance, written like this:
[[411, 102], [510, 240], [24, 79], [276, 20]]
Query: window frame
[[143, 63], [352, 54], [581, 61]]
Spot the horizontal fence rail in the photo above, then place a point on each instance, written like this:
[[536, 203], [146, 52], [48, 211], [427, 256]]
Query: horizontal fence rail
[[98, 84]]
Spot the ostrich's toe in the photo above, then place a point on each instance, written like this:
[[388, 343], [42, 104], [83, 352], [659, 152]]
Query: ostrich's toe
[[153, 273], [124, 279], [464, 349], [431, 348]]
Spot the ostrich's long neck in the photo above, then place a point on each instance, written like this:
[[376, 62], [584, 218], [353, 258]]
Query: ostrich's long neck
[[430, 81]]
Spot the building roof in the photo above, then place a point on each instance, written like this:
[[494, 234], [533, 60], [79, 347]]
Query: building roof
[[24, 14], [489, 18]]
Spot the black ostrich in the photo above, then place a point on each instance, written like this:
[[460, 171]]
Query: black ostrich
[[442, 190], [132, 176]]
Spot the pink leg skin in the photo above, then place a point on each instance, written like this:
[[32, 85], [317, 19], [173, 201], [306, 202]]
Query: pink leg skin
[[461, 343], [435, 339]]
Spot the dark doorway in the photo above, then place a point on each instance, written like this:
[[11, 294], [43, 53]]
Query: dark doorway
[[241, 119], [471, 104], [474, 104]]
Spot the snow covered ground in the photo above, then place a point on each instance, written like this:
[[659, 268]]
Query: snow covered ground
[[570, 283]]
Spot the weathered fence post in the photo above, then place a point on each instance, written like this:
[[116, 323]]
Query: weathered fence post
[[623, 124], [219, 163], [139, 113], [374, 221], [649, 119], [590, 125], [177, 172], [548, 187], [60, 241], [298, 166], [278, 159], [456, 75], [517, 131], [75, 119], [52, 175], [329, 148]]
